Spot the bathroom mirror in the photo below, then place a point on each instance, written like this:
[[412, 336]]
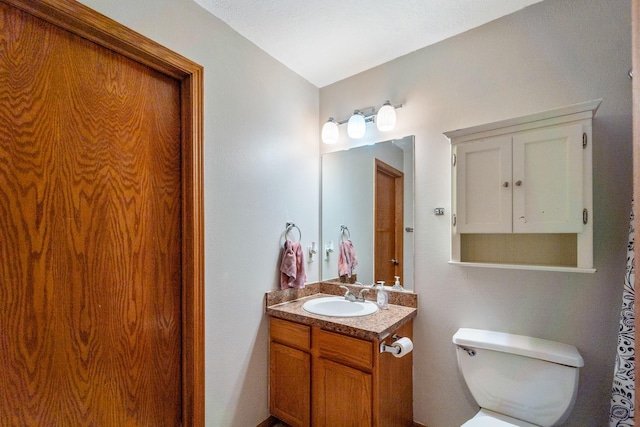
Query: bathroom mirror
[[367, 197]]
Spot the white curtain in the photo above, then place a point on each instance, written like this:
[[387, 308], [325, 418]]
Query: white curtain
[[622, 395]]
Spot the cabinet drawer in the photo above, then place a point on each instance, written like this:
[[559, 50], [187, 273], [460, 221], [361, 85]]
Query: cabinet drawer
[[290, 333], [343, 349]]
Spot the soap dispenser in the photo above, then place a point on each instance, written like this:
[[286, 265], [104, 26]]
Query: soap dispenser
[[397, 286], [383, 297]]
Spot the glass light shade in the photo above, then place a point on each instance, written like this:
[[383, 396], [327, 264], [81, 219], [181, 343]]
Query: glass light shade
[[386, 117], [330, 132], [356, 126]]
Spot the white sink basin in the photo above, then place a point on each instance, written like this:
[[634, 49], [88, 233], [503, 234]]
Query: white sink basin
[[339, 307]]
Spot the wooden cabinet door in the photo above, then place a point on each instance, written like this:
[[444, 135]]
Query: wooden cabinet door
[[395, 384], [548, 180], [483, 186], [342, 396], [290, 385]]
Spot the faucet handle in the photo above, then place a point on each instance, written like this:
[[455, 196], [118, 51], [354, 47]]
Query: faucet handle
[[361, 294], [348, 294]]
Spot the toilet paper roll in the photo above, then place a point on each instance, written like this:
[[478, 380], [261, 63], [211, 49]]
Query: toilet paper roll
[[405, 345]]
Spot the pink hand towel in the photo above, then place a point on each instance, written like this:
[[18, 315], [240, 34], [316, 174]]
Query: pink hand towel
[[347, 260], [292, 274]]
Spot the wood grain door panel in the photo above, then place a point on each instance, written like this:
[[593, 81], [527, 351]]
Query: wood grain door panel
[[342, 395], [290, 385], [389, 223], [90, 232]]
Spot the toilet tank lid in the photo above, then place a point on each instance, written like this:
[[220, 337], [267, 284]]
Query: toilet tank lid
[[538, 348]]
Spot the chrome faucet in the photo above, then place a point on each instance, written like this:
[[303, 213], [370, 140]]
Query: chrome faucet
[[349, 296], [360, 296]]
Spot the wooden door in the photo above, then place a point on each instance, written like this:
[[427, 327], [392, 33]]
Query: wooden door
[[96, 218], [389, 223]]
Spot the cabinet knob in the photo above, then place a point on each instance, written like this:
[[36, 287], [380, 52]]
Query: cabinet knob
[[518, 183], [506, 184]]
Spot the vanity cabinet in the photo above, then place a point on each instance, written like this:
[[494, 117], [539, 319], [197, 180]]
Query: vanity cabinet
[[337, 379], [522, 191], [289, 367]]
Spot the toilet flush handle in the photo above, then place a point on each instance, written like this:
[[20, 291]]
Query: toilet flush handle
[[470, 351]]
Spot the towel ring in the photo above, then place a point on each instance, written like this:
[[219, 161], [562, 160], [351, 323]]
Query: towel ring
[[291, 226], [344, 230]]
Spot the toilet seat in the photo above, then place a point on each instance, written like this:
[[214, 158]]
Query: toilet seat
[[486, 418]]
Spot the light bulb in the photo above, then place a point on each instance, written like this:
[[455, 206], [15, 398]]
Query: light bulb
[[356, 125], [330, 131], [386, 117]]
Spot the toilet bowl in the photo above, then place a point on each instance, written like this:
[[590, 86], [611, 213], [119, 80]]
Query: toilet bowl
[[486, 418], [517, 380]]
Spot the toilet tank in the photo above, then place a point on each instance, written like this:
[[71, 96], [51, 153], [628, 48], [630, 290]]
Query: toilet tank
[[527, 378]]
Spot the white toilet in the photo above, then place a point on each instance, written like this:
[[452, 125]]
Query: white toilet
[[517, 380]]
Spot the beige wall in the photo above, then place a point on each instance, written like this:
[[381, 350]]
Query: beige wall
[[551, 54]]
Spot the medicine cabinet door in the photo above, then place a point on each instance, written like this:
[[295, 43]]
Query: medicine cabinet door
[[483, 186], [548, 180]]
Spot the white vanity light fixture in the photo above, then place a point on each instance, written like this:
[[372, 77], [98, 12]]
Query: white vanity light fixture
[[330, 131], [385, 119], [357, 125]]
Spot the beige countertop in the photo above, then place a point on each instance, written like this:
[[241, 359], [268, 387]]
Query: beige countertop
[[375, 326]]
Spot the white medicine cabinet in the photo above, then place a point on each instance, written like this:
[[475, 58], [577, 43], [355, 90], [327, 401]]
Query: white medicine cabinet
[[522, 191]]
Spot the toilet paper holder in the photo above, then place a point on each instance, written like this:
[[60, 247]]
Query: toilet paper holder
[[390, 348]]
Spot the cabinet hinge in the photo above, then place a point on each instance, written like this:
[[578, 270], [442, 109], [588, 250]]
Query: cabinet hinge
[[453, 220], [585, 216], [584, 140], [453, 160]]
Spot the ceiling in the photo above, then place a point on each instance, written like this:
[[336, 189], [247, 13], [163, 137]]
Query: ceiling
[[328, 40]]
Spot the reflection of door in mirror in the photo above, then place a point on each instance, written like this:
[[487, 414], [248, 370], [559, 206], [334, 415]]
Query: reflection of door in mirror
[[348, 198], [389, 214]]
